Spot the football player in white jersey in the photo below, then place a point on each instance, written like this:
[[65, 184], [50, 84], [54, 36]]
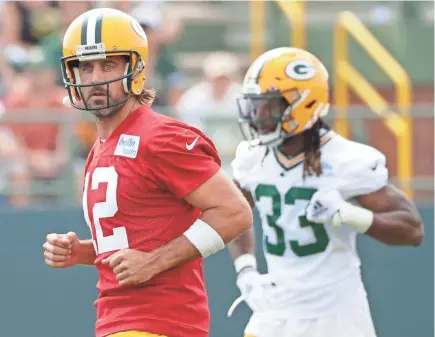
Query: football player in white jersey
[[315, 191]]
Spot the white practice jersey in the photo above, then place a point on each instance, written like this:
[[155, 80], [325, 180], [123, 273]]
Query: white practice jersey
[[310, 259]]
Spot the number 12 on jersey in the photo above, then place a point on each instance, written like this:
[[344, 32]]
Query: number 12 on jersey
[[104, 209]]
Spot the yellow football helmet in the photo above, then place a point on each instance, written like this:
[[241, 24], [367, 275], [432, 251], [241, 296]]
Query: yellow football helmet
[[293, 85], [95, 35]]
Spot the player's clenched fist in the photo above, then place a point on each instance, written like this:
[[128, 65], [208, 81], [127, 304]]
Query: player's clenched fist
[[61, 250], [132, 267]]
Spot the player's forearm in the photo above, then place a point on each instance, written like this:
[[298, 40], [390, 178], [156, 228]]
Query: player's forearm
[[242, 248], [238, 236], [397, 228], [86, 254], [229, 221], [243, 244], [183, 250], [177, 252]]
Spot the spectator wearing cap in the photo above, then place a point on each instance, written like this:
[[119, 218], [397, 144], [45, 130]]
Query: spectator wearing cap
[[211, 105], [215, 95]]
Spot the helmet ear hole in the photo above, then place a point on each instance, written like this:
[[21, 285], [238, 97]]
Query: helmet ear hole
[[310, 104], [126, 82], [137, 79]]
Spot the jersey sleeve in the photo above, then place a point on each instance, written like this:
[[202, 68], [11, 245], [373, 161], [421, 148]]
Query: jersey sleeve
[[363, 172], [185, 162], [243, 163], [240, 164]]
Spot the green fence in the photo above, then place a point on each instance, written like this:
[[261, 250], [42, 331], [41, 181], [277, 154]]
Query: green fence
[[36, 301]]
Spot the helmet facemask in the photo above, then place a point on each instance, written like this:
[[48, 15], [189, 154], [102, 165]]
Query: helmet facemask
[[262, 119], [70, 69]]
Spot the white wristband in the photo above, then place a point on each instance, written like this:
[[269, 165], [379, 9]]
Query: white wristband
[[245, 261], [204, 238], [359, 218]]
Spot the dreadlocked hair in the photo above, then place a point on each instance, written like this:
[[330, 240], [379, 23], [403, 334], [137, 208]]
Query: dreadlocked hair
[[312, 164]]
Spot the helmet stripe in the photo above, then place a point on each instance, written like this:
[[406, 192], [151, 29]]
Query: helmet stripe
[[84, 30], [259, 64], [90, 33], [98, 26]]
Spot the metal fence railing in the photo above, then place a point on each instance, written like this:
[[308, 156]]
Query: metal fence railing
[[347, 77], [65, 188]]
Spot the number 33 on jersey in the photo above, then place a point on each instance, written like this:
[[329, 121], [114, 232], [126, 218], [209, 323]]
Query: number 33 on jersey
[[301, 252]]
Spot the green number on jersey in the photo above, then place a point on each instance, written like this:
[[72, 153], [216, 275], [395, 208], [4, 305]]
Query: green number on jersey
[[293, 194], [272, 192]]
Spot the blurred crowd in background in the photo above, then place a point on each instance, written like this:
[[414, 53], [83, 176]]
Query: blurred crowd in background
[[43, 144], [33, 155]]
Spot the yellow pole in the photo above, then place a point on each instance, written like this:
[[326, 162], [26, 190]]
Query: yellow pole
[[344, 75], [341, 92], [295, 13], [257, 25]]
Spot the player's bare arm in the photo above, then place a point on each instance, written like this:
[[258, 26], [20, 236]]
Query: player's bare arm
[[225, 210], [396, 220], [224, 207], [245, 242], [66, 250], [256, 289], [386, 215], [225, 214]]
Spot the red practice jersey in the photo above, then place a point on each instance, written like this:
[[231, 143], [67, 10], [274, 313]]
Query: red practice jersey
[[135, 182]]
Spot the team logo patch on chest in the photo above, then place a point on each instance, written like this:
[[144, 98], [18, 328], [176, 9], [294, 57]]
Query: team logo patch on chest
[[127, 146]]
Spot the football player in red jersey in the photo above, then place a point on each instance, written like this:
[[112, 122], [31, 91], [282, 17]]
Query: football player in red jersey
[[155, 197]]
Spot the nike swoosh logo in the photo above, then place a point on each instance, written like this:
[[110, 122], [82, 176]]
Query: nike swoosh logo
[[190, 146]]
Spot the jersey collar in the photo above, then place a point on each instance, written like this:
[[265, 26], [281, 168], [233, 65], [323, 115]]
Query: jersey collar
[[288, 162]]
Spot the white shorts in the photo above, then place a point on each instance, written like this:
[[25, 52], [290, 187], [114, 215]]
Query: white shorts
[[353, 321]]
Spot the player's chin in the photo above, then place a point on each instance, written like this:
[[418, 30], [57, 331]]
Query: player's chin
[[103, 113], [101, 110]]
